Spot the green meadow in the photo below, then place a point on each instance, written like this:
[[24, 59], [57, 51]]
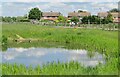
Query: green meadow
[[93, 40]]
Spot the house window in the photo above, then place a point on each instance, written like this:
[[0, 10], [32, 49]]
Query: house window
[[48, 16], [53, 16]]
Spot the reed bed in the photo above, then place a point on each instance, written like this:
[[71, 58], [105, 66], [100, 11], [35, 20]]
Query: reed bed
[[53, 68]]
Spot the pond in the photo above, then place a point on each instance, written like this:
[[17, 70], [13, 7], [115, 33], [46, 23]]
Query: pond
[[41, 55]]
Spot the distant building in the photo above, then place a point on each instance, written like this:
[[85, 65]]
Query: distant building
[[80, 15], [50, 15], [114, 14], [102, 14]]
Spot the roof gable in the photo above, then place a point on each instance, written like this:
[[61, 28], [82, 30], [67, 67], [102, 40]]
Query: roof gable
[[51, 13], [79, 14]]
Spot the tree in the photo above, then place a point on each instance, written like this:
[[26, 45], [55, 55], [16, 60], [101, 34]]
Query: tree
[[4, 43], [62, 19], [14, 19], [75, 20], [25, 16], [84, 20], [93, 19], [90, 19], [35, 13], [105, 21], [19, 18], [110, 18], [7, 19], [114, 10], [80, 11]]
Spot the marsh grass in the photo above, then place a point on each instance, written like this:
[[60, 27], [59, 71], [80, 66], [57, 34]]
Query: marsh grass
[[93, 40], [53, 68]]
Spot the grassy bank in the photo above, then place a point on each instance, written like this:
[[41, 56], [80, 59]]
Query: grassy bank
[[91, 39], [105, 42], [71, 68]]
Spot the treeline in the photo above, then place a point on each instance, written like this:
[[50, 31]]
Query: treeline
[[36, 14], [15, 19], [97, 20]]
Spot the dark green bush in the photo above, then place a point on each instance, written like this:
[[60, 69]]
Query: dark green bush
[[4, 43], [25, 20]]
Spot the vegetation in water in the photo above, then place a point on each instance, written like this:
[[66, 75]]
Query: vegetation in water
[[71, 68]]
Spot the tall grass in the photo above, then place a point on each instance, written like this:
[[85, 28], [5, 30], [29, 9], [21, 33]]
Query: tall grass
[[105, 42], [71, 68]]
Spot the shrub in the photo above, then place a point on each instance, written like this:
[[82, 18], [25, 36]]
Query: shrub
[[4, 43]]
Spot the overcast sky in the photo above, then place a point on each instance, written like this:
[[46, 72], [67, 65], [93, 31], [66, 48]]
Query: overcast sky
[[22, 7]]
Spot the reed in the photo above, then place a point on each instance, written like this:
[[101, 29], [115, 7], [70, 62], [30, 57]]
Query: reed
[[71, 68]]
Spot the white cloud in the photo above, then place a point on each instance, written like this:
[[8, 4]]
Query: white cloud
[[0, 9], [9, 57], [112, 5], [107, 5], [35, 53], [20, 49], [59, 1], [100, 6], [42, 7], [57, 6], [79, 52], [43, 55], [9, 4]]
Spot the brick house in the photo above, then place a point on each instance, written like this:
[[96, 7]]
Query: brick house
[[80, 15], [50, 15], [102, 14], [114, 14]]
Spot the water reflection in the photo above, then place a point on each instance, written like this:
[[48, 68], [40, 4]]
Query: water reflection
[[34, 56]]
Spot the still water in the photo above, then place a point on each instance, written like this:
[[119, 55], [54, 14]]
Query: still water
[[39, 56]]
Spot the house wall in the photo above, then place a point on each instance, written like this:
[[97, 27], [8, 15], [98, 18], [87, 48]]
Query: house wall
[[115, 19], [49, 18]]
